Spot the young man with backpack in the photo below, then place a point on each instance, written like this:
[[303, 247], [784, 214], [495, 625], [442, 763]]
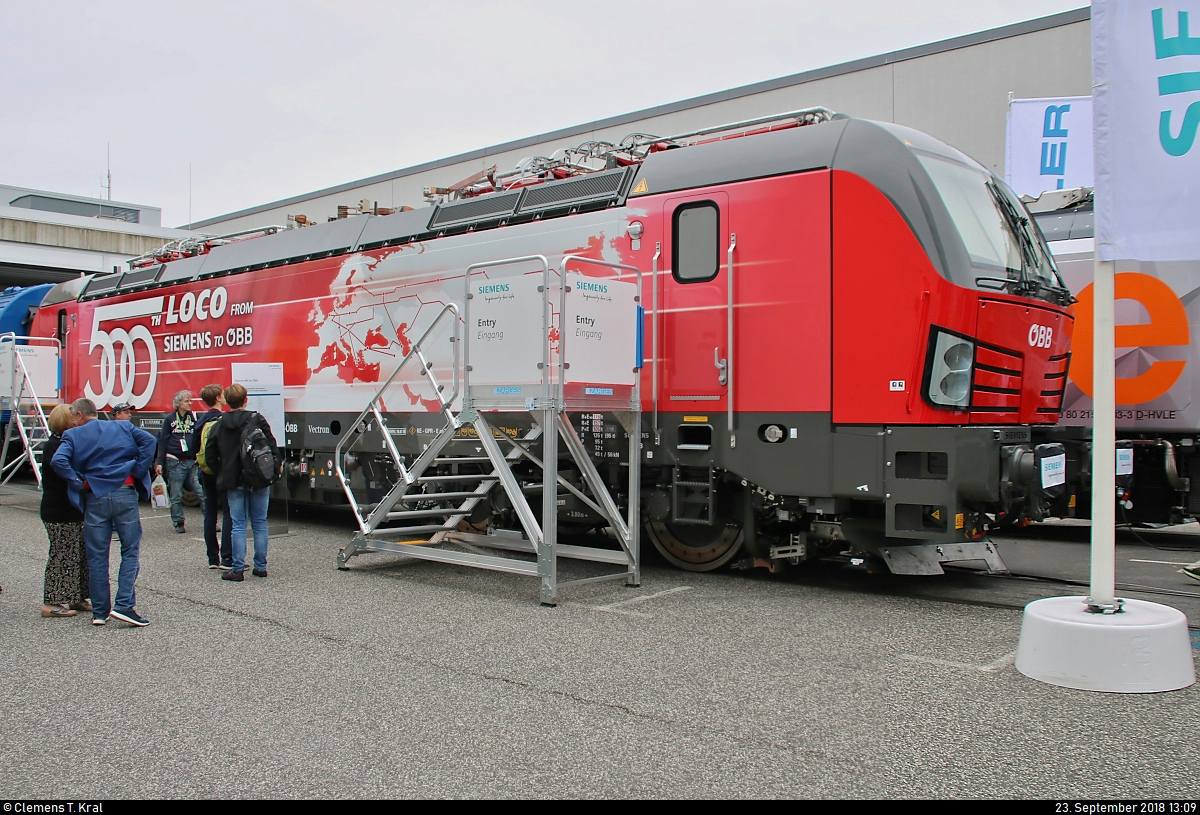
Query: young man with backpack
[[218, 557], [241, 450]]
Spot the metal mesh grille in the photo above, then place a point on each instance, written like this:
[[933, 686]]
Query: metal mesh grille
[[100, 285], [573, 191], [137, 277], [476, 209]]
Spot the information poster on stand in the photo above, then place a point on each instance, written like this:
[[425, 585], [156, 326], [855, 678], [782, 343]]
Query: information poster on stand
[[263, 382], [264, 385]]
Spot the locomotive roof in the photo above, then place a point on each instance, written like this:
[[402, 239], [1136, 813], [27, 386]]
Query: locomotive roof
[[878, 152]]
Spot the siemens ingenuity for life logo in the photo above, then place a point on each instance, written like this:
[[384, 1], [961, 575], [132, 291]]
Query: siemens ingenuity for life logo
[[1172, 83]]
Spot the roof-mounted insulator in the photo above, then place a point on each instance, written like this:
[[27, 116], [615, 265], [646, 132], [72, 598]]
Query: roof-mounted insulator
[[196, 245], [597, 156]]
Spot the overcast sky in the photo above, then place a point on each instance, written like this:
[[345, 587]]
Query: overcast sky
[[259, 100]]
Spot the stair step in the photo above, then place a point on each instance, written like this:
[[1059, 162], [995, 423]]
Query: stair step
[[441, 496], [426, 513], [410, 530], [433, 479]]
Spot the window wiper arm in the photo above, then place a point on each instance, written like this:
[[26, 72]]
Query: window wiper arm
[[1018, 225]]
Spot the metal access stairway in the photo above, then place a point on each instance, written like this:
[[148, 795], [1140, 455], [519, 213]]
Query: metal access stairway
[[25, 429], [402, 511], [422, 513]]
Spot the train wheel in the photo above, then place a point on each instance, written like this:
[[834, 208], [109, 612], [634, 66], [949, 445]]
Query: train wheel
[[697, 547]]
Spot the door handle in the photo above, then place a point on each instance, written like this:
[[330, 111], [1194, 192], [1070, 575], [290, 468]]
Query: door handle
[[722, 367]]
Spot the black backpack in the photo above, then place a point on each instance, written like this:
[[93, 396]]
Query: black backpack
[[259, 468]]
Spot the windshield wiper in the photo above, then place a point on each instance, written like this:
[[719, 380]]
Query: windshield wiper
[[1029, 284], [1014, 224]]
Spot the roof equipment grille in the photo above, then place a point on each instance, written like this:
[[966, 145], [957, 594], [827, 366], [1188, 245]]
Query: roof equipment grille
[[600, 186], [483, 208]]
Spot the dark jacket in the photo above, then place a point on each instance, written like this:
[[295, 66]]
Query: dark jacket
[[104, 454], [56, 504], [223, 453], [176, 435]]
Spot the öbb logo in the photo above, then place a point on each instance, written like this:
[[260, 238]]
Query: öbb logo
[[1040, 336]]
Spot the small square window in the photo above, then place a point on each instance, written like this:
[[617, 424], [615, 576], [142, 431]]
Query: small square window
[[697, 242]]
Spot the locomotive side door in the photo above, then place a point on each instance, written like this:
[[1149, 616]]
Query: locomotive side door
[[695, 356]]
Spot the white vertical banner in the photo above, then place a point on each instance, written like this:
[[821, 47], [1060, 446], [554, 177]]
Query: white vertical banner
[[1146, 107], [1049, 144]]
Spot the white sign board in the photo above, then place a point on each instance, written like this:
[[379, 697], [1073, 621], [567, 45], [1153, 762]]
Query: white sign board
[[599, 330], [506, 336], [1124, 461], [41, 363], [263, 382], [1146, 98], [1054, 470], [1049, 145]]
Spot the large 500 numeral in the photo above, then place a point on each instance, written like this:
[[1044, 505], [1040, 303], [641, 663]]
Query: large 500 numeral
[[126, 367]]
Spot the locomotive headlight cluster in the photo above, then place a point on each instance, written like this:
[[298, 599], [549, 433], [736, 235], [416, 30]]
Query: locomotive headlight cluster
[[949, 369]]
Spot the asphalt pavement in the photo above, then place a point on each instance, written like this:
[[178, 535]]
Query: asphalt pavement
[[406, 679]]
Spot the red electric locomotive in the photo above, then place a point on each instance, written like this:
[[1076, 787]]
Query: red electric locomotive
[[850, 328]]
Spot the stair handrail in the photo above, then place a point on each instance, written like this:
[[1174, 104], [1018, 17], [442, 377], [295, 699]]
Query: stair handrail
[[356, 427], [19, 383]]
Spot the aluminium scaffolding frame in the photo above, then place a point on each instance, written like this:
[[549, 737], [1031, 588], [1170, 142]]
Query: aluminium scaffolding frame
[[546, 398]]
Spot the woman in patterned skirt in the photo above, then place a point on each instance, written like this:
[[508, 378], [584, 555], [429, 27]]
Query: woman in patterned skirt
[[66, 587]]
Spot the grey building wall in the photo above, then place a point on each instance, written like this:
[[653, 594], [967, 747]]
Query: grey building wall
[[49, 246], [956, 90]]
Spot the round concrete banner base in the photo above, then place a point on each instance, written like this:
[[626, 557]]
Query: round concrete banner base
[[1144, 648]]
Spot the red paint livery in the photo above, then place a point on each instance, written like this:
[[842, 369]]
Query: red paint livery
[[849, 329]]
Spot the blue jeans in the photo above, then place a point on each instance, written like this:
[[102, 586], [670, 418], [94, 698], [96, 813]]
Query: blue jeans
[[115, 512], [181, 474], [247, 504]]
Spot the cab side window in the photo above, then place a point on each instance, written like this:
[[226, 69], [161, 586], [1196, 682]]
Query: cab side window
[[696, 238]]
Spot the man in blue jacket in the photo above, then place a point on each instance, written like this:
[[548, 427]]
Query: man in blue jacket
[[107, 466]]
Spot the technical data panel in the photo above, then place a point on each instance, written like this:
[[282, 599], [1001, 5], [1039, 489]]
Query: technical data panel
[[602, 436]]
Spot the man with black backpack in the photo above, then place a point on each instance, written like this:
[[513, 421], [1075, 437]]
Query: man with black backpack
[[241, 450]]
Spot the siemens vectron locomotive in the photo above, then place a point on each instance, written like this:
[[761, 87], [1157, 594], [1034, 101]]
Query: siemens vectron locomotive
[[868, 307]]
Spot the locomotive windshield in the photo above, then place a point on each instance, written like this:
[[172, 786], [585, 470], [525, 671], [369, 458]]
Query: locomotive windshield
[[1005, 252]]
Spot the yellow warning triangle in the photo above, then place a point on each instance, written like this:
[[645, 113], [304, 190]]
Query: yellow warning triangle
[[642, 186], [936, 515]]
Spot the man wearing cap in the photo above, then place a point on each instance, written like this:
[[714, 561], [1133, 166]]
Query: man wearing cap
[[176, 453], [107, 466], [122, 412]]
